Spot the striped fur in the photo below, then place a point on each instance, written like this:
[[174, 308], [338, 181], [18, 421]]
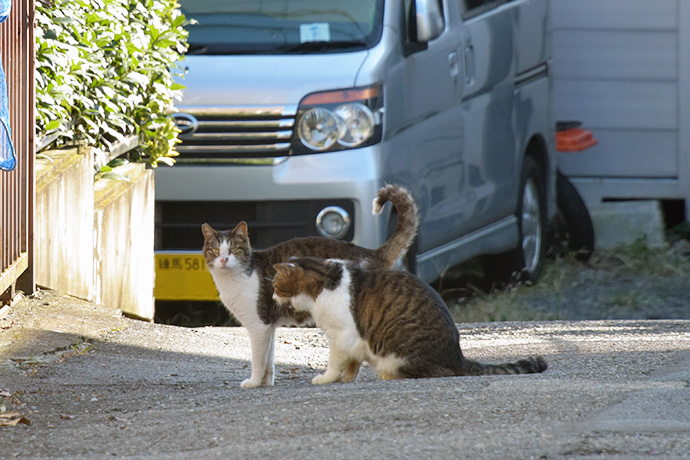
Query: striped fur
[[389, 318]]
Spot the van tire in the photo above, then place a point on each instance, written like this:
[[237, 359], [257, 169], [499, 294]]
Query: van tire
[[573, 224], [526, 261]]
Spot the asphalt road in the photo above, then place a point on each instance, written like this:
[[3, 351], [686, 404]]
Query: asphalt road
[[97, 388]]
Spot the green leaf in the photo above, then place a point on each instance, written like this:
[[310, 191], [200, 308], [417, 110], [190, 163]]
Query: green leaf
[[118, 162], [166, 160], [114, 176], [55, 124], [106, 68]]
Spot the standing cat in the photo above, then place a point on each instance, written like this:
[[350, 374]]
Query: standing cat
[[390, 319], [243, 276]]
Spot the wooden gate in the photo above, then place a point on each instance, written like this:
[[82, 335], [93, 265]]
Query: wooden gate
[[17, 187]]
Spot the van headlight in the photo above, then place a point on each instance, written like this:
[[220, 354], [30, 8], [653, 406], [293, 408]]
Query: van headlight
[[357, 124], [338, 120], [319, 128]]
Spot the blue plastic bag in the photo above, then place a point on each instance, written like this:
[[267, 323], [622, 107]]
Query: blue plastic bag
[[8, 160], [5, 7]]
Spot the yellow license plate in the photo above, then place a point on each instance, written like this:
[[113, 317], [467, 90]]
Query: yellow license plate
[[183, 276]]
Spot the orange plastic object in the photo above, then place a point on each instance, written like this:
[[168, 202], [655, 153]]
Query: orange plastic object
[[574, 140]]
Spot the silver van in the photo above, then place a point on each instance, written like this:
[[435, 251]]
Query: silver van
[[297, 111]]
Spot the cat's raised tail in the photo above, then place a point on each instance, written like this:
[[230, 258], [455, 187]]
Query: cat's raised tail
[[531, 365], [408, 222]]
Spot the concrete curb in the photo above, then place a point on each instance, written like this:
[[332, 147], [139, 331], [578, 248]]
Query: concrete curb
[[47, 323]]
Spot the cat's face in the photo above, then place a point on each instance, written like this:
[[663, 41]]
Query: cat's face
[[226, 250]]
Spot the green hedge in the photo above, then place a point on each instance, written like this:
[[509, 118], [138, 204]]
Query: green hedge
[[105, 72]]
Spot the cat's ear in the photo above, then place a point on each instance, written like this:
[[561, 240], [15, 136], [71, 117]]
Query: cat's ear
[[241, 229], [281, 269], [285, 269], [208, 231]]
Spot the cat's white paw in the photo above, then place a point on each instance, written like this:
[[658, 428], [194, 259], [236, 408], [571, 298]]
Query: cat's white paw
[[323, 378], [318, 380], [251, 383]]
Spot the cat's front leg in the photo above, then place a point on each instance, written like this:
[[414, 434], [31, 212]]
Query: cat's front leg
[[261, 341], [269, 372], [337, 362]]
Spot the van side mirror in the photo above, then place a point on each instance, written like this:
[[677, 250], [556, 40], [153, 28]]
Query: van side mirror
[[430, 22]]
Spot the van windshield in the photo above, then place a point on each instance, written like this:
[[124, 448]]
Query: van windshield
[[282, 26]]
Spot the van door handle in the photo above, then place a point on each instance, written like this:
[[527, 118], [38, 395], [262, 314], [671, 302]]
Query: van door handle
[[453, 64], [469, 65]]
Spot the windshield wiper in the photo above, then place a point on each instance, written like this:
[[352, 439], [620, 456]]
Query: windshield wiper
[[323, 45], [222, 49], [306, 47], [196, 48]]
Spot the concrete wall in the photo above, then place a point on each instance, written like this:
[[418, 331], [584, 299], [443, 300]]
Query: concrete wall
[[123, 251], [63, 228], [95, 240]]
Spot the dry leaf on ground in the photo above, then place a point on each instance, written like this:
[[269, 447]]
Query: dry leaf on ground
[[13, 419]]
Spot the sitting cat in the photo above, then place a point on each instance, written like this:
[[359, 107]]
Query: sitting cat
[[243, 276], [390, 319]]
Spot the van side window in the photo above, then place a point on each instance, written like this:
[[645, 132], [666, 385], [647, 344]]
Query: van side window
[[409, 26], [409, 23], [472, 4], [477, 7]]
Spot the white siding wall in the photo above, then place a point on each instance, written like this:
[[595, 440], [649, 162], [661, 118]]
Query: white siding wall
[[622, 67]]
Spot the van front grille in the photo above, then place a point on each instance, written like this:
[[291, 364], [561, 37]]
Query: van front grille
[[238, 132], [178, 223]]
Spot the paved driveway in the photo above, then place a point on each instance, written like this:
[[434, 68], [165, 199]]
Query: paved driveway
[[113, 387]]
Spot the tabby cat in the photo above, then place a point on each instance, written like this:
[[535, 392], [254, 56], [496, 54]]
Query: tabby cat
[[243, 276], [390, 319]]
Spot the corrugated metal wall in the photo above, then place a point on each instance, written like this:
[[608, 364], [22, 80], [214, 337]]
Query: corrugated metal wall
[[622, 67], [17, 187]]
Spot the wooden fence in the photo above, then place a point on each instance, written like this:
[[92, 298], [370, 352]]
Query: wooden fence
[[17, 189]]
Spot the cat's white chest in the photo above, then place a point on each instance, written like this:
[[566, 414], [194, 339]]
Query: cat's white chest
[[239, 293], [332, 314]]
